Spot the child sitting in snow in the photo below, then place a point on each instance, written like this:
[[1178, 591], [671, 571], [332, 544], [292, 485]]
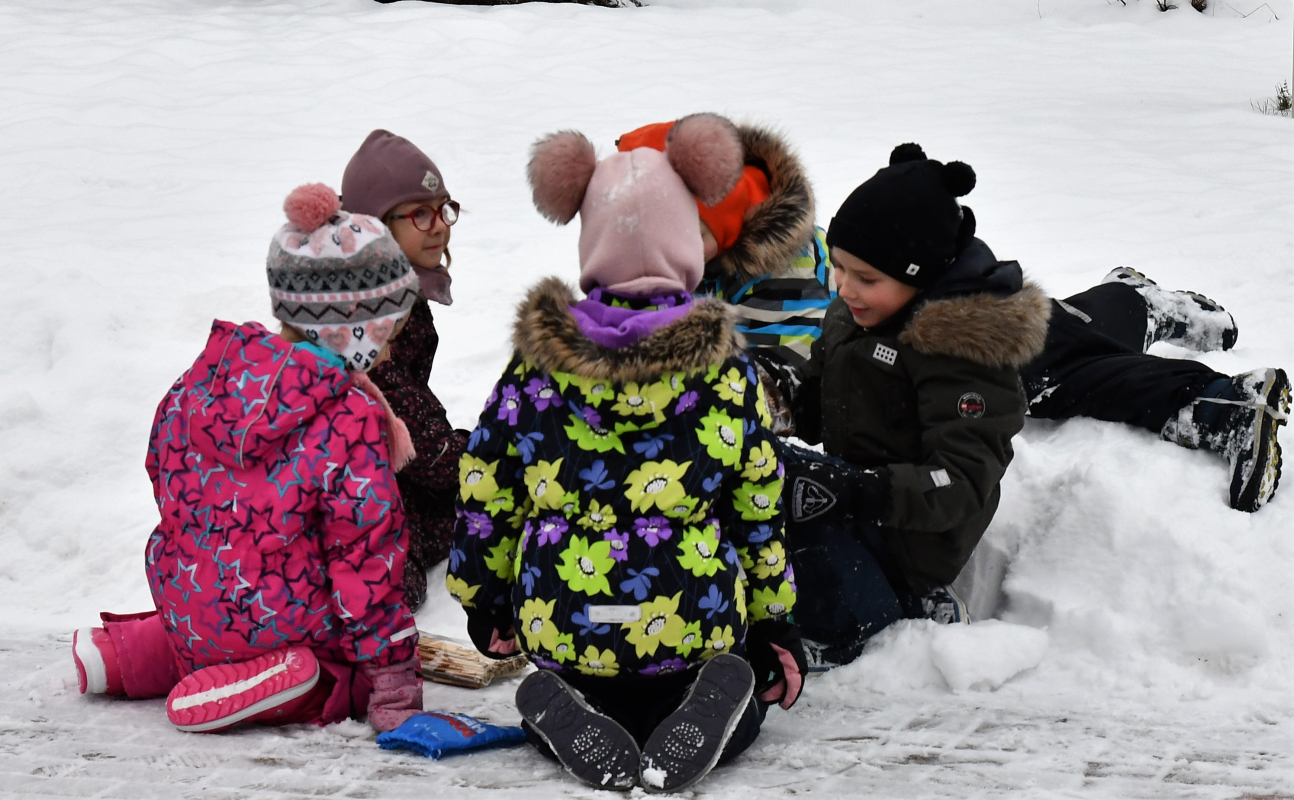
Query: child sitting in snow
[[276, 567], [621, 476], [391, 179]]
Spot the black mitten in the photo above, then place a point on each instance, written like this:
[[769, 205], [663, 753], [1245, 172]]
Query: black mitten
[[492, 632], [822, 486], [776, 655]]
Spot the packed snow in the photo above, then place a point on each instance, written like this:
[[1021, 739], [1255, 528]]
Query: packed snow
[[1136, 637]]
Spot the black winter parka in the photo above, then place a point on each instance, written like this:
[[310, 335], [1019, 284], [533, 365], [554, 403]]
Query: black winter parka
[[931, 398]]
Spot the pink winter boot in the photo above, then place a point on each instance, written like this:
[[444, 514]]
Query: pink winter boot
[[260, 690], [97, 667]]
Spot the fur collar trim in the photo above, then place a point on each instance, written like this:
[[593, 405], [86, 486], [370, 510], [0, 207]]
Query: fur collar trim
[[987, 329], [546, 333], [779, 228]]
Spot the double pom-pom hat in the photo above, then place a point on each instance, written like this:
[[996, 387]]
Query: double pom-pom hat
[[639, 230], [344, 283], [905, 220]]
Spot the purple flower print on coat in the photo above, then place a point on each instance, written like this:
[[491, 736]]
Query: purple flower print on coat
[[511, 404], [664, 667], [686, 402], [654, 529], [542, 394], [619, 544], [544, 663], [591, 417], [478, 524], [551, 529]]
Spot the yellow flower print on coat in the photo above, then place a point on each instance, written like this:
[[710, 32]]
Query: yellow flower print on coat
[[460, 591], [502, 557], [761, 405], [595, 390], [564, 649], [771, 561], [757, 502], [601, 663], [656, 485], [683, 508], [722, 436], [518, 518], [585, 566], [597, 440], [502, 501], [541, 482], [598, 518], [766, 603], [476, 479], [659, 625], [642, 400], [739, 597], [699, 550], [731, 386], [536, 624], [671, 386], [761, 462], [721, 641], [691, 639], [571, 504]]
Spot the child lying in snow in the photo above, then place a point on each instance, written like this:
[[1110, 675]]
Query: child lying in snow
[[391, 179], [621, 475], [276, 567]]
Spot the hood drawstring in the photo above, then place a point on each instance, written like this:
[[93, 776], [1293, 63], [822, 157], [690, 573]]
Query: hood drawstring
[[399, 441]]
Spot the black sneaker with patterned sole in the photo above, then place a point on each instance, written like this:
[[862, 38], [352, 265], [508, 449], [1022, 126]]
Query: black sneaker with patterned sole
[[686, 746], [590, 745]]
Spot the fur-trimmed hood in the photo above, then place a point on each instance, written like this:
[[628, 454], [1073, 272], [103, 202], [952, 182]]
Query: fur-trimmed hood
[[547, 334], [988, 329], [779, 228]]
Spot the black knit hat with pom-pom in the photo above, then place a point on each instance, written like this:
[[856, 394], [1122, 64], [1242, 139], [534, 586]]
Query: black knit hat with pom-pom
[[905, 219]]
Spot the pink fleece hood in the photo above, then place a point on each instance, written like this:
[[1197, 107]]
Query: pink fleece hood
[[639, 230]]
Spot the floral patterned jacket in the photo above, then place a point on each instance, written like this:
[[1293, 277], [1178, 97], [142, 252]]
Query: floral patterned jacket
[[625, 504]]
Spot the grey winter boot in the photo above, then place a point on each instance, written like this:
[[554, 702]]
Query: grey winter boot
[[1239, 421], [944, 606], [1185, 319]]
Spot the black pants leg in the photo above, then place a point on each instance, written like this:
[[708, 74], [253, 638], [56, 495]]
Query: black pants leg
[[1093, 364]]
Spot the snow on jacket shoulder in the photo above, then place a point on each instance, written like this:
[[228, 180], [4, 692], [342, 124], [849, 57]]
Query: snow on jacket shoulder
[[610, 498], [281, 523]]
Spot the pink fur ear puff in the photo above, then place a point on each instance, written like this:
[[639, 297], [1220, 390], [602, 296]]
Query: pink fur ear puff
[[561, 166], [705, 151]]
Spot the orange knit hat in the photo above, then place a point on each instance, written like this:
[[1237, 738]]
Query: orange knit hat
[[725, 218]]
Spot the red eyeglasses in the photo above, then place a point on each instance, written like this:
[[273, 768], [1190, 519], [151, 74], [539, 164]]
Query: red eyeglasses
[[424, 217]]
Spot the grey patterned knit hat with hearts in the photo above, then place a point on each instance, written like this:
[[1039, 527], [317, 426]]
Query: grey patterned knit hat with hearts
[[338, 277]]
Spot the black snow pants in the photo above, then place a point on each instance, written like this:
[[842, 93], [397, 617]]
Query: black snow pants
[[1094, 364]]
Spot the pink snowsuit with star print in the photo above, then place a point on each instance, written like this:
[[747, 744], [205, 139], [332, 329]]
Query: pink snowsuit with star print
[[281, 522]]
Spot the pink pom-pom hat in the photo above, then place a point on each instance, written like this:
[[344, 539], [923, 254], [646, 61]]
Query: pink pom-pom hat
[[639, 230], [308, 207]]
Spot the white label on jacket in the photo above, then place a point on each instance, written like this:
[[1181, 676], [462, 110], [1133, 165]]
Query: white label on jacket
[[615, 613], [404, 634], [940, 478], [885, 354]]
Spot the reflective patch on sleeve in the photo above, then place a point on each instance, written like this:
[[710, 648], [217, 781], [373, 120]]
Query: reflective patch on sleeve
[[404, 634], [940, 478]]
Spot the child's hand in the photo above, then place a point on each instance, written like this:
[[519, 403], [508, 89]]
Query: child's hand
[[492, 632], [777, 657]]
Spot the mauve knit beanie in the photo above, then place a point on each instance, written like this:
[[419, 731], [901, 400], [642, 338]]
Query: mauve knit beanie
[[386, 171]]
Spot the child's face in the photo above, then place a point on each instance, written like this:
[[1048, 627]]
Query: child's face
[[708, 242], [872, 296], [423, 248]]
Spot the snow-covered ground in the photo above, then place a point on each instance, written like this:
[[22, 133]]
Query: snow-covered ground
[[1144, 645]]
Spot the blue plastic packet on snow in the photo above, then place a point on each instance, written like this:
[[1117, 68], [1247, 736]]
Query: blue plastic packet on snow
[[435, 733]]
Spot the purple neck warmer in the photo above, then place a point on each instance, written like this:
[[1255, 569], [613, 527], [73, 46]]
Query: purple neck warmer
[[616, 327]]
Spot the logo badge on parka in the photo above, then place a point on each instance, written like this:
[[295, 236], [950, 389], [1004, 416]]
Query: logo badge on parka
[[971, 405], [810, 499]]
